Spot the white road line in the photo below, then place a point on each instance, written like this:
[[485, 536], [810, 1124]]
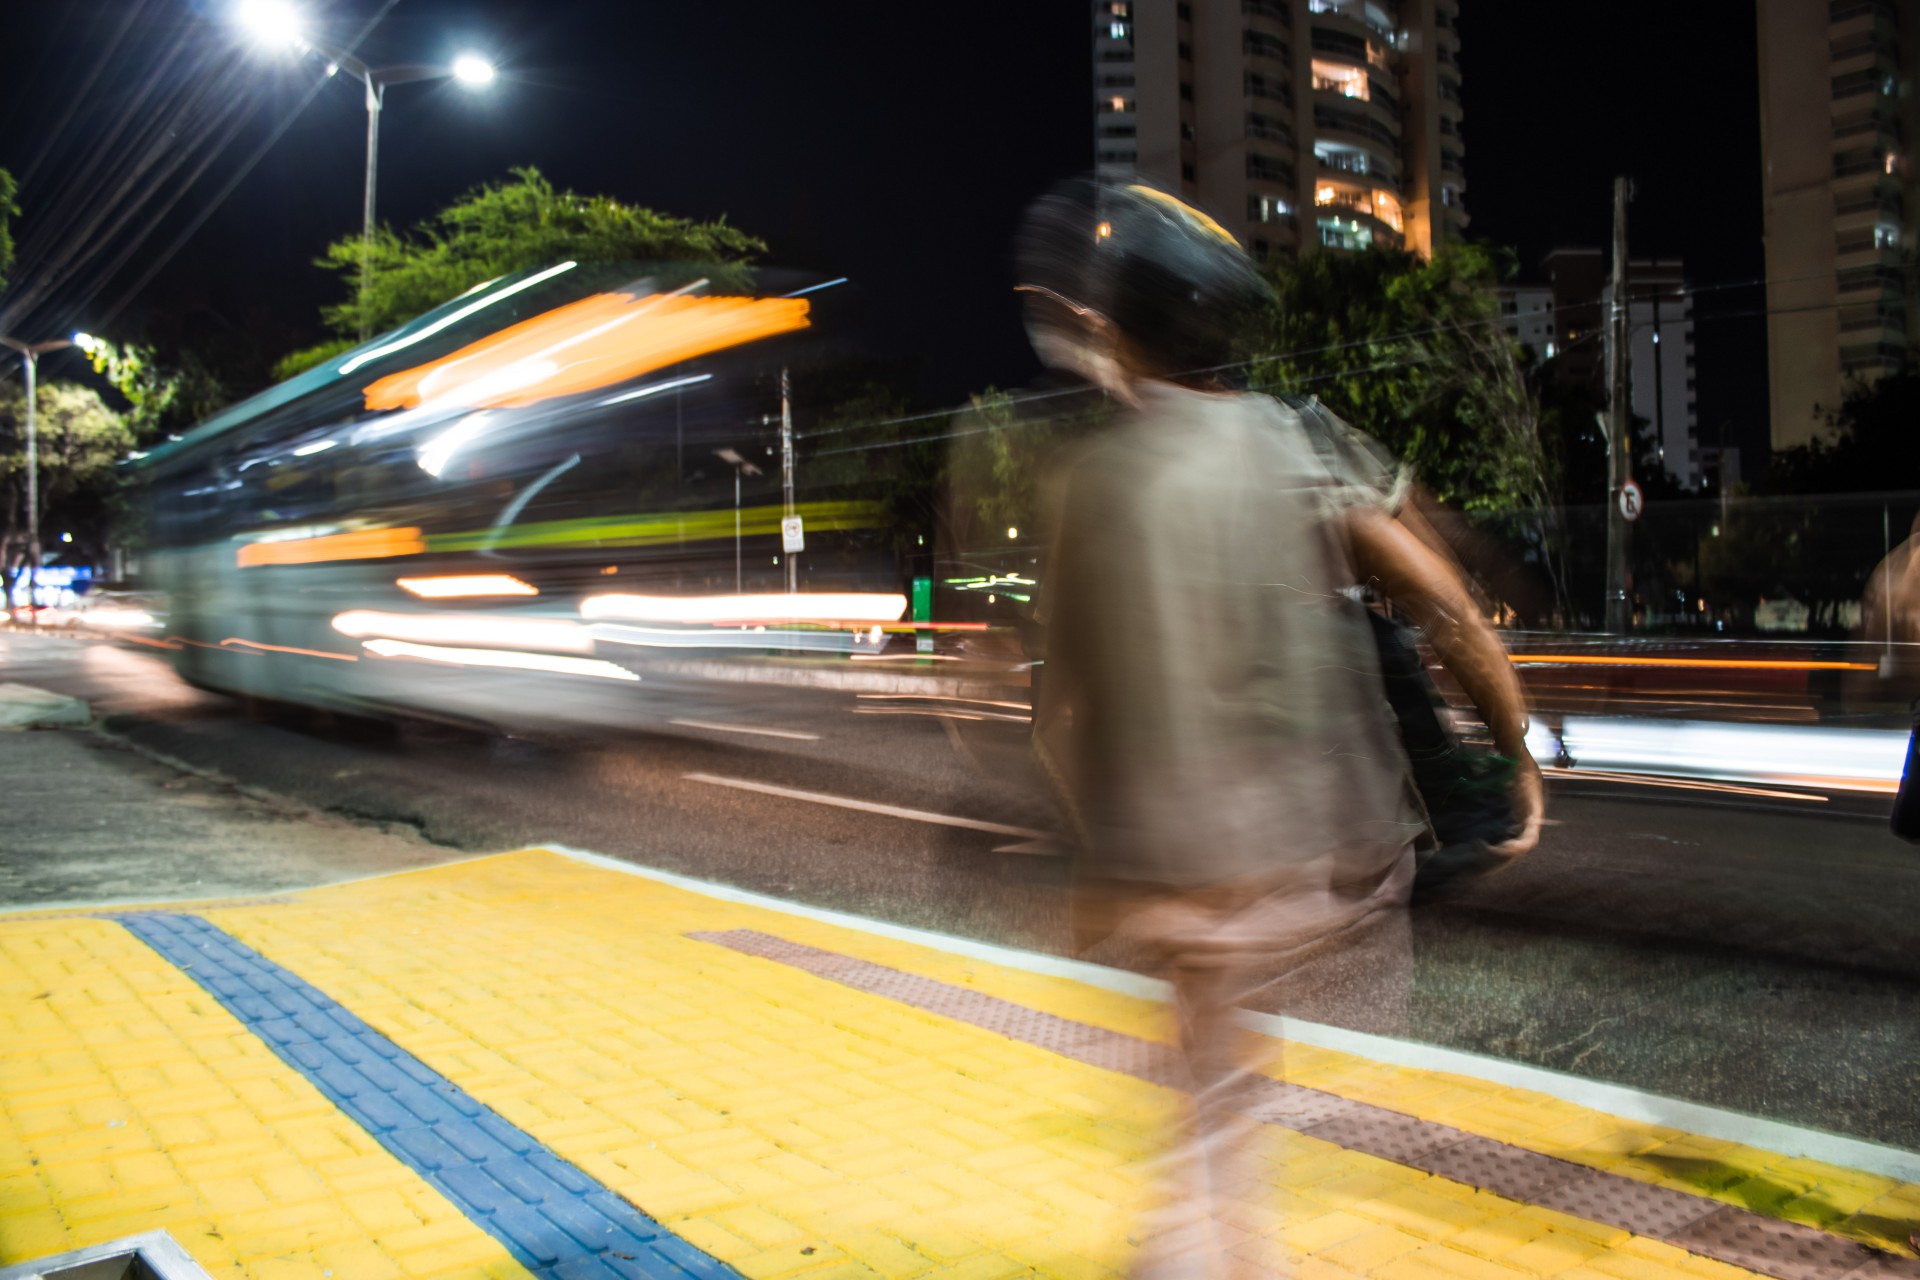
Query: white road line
[[868, 806], [742, 728], [1620, 1100], [940, 713]]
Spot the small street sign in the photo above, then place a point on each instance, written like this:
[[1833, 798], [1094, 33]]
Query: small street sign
[[1632, 501], [793, 538]]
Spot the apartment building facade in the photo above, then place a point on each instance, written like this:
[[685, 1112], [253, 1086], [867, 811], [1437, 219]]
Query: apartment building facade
[[1298, 123], [1839, 118], [1564, 321]]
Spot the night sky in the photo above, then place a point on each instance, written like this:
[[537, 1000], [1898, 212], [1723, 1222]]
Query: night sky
[[892, 141]]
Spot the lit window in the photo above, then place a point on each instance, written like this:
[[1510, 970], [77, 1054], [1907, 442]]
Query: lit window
[[1118, 9], [1119, 104], [1344, 235], [1348, 82], [1893, 161], [1118, 31], [1549, 349], [1387, 208], [1886, 236], [1262, 208]]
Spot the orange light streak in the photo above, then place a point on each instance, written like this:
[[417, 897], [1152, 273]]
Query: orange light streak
[[1725, 664], [1678, 784], [596, 342], [282, 648], [362, 544]]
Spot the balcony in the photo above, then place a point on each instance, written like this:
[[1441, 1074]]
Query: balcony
[[1368, 13], [1269, 128], [1364, 126], [1342, 199], [1272, 10]]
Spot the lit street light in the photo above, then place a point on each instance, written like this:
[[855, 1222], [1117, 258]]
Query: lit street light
[[740, 467], [30, 353], [277, 22]]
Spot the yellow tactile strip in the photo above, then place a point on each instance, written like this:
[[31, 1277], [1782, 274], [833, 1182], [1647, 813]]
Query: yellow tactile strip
[[130, 1100], [792, 1127]]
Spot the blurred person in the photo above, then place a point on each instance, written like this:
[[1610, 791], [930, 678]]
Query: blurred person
[[1211, 706], [1890, 615]]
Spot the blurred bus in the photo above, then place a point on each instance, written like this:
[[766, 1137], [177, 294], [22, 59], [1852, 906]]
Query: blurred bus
[[534, 487]]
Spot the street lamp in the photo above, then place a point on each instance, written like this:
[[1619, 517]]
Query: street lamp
[[740, 467], [30, 353], [278, 22]]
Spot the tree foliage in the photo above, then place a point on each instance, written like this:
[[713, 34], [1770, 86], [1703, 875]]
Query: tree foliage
[[9, 210], [1870, 446], [160, 398], [502, 227], [79, 442], [1413, 353]]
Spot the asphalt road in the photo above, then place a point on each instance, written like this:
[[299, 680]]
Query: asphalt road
[[1751, 953]]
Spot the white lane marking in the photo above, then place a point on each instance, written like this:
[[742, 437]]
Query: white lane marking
[[1709, 1122], [939, 697], [743, 728], [868, 806], [940, 713]]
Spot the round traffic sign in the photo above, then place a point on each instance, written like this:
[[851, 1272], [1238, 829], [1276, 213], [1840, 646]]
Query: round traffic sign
[[1631, 500]]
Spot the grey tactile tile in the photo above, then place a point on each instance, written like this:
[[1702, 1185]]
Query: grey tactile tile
[[1784, 1249], [1386, 1134], [1294, 1107], [1639, 1207], [1513, 1172]]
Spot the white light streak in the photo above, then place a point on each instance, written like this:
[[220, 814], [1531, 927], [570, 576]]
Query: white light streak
[[502, 658], [641, 393], [455, 585], [825, 606], [454, 628], [455, 317]]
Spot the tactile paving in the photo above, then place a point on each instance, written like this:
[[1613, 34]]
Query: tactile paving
[[555, 1220], [1698, 1224]]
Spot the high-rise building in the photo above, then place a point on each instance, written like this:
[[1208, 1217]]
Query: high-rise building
[[1565, 321], [1839, 91], [1301, 123]]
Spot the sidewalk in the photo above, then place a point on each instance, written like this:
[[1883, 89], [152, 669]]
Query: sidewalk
[[545, 1063]]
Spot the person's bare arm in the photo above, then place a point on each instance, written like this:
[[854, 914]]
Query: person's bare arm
[[1419, 581]]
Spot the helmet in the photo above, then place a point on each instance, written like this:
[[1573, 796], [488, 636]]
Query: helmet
[[1171, 279]]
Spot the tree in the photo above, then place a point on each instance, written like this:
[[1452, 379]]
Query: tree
[[8, 212], [159, 398], [79, 442], [1413, 352], [1870, 445], [494, 230]]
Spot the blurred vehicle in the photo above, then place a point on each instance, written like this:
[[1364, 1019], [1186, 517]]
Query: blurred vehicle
[[518, 494], [114, 611]]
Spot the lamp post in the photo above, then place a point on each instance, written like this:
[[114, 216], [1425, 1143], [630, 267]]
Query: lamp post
[[740, 467], [30, 353], [279, 22]]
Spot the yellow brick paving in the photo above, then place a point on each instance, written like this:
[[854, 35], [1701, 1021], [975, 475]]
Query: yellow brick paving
[[783, 1123], [130, 1100]]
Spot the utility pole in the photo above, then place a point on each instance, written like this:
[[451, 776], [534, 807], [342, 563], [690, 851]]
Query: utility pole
[[1620, 428], [786, 475], [30, 353]]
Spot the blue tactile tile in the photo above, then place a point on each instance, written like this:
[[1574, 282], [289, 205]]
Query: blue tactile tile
[[556, 1221]]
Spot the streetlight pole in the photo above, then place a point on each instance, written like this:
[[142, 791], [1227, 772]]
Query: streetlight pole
[[467, 68], [740, 467], [30, 353], [275, 20]]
